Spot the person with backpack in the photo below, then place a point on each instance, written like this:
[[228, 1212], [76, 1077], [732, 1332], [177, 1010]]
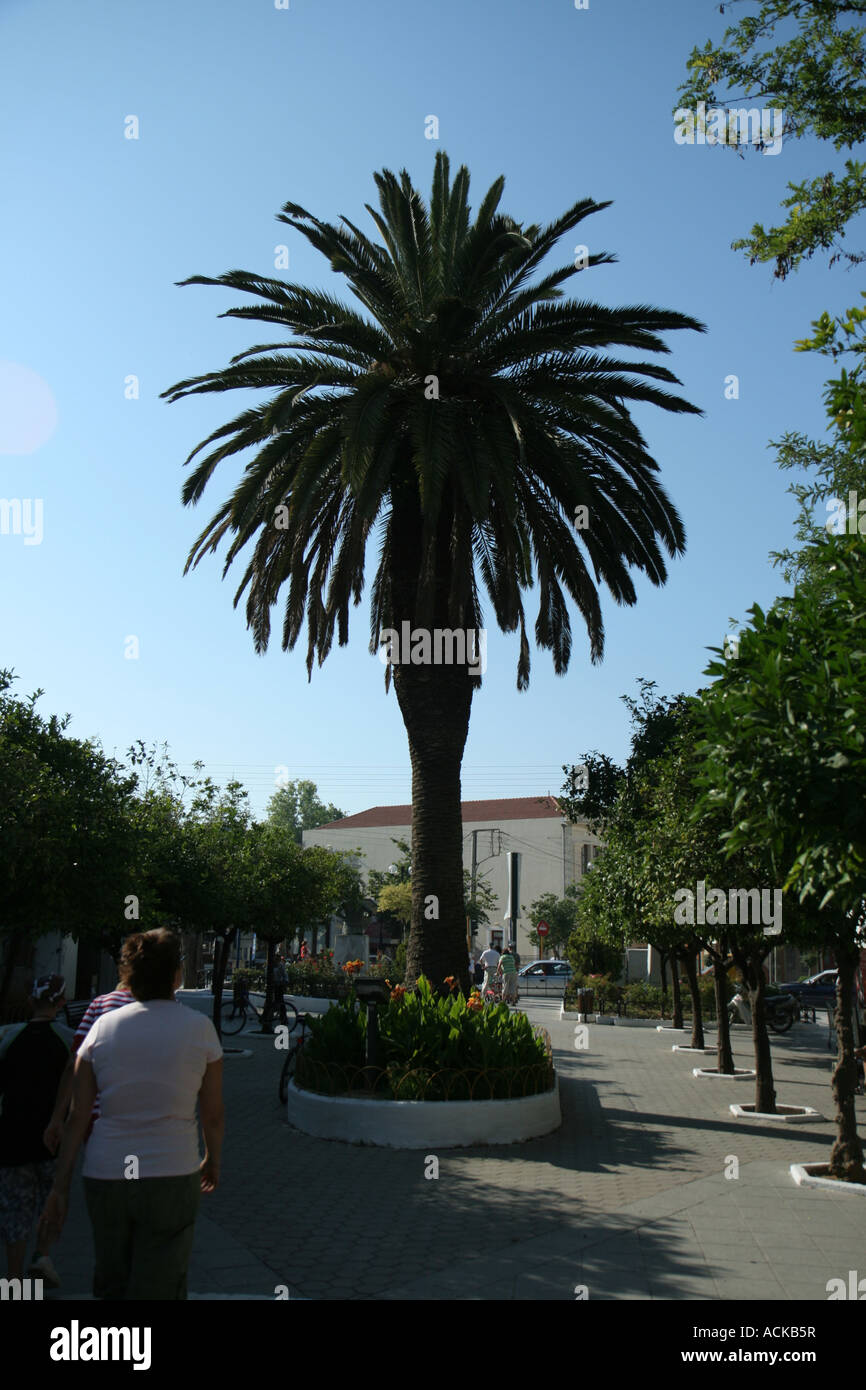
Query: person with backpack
[[158, 1069], [33, 1057]]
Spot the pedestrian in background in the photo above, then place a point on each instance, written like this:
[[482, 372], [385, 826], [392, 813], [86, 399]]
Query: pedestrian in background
[[490, 961], [508, 970], [32, 1060]]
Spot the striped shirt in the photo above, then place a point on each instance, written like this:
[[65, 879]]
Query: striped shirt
[[102, 1004], [508, 964]]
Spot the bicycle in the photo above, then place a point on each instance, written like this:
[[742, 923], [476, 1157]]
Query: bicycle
[[233, 1014], [493, 992], [291, 1062]]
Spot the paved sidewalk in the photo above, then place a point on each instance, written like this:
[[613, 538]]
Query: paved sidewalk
[[629, 1198]]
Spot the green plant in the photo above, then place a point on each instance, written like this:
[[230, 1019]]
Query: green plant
[[425, 1040], [316, 978], [642, 1000]]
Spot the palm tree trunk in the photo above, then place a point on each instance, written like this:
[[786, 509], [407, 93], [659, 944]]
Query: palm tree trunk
[[435, 702], [846, 1158]]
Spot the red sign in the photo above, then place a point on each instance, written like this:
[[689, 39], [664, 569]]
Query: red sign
[[542, 929]]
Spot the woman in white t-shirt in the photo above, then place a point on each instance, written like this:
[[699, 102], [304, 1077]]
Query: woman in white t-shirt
[[151, 1063]]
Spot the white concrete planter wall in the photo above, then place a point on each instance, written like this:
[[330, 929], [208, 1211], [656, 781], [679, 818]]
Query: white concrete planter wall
[[741, 1074], [569, 1015], [810, 1175], [306, 1005], [418, 1124], [785, 1114]]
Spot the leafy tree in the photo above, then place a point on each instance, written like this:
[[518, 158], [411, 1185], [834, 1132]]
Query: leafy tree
[[831, 500], [66, 829], [214, 887], [288, 886], [400, 871], [477, 909], [396, 898], [816, 76], [785, 756], [592, 951], [616, 802], [561, 916], [684, 845], [297, 807], [472, 415]]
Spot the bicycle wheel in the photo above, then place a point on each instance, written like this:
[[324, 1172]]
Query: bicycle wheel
[[781, 1023], [292, 1018], [287, 1074], [233, 1016]]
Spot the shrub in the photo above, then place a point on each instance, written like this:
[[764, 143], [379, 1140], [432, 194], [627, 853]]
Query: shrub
[[316, 978], [430, 1047], [642, 1000], [605, 994]]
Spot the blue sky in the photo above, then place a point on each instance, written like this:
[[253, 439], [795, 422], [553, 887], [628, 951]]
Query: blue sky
[[242, 107]]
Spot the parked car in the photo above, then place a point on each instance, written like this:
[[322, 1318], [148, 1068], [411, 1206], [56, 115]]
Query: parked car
[[544, 977], [817, 989]]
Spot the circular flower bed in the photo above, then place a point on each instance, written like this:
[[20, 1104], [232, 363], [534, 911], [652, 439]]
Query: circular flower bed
[[430, 1048]]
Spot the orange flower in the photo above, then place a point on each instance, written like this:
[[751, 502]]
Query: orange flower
[[475, 1002], [451, 982], [397, 992]]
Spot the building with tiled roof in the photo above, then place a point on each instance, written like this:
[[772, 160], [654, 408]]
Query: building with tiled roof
[[553, 853]]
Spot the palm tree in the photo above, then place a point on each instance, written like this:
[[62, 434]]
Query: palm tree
[[467, 414]]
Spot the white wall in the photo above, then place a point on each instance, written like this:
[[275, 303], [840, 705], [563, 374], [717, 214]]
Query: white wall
[[550, 859]]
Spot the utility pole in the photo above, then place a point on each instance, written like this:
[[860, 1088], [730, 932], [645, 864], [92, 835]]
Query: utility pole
[[472, 887]]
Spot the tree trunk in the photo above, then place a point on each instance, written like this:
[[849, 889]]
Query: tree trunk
[[268, 1010], [846, 1158], [765, 1091], [663, 968], [219, 973], [720, 981], [677, 992], [435, 701], [192, 950], [690, 966]]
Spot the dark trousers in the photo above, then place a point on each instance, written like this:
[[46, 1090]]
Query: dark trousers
[[142, 1233]]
